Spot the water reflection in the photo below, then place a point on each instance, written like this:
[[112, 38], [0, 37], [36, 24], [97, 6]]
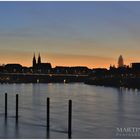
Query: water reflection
[[5, 127], [36, 99], [96, 110], [17, 129], [47, 133], [36, 92], [120, 104]]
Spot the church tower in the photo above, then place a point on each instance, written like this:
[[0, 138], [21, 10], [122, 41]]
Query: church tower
[[39, 59], [34, 61]]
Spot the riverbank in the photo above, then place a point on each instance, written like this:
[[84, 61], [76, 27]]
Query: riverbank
[[41, 78], [115, 82]]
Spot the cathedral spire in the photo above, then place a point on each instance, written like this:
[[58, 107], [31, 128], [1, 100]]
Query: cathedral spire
[[34, 60], [39, 59]]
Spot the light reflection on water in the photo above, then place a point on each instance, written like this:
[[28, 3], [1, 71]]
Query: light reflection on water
[[97, 111]]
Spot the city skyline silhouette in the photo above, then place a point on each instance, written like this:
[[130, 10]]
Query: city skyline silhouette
[[37, 59]]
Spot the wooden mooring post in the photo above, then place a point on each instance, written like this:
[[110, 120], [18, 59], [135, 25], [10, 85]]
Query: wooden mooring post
[[69, 119], [48, 114], [5, 105], [16, 107]]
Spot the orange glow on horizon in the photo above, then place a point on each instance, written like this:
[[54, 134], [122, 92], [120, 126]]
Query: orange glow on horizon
[[25, 59]]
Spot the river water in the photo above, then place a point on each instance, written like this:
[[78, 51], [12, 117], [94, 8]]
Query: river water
[[98, 112]]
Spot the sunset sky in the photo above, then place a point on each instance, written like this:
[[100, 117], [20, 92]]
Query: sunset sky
[[91, 34]]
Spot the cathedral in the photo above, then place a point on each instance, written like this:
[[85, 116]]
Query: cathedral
[[40, 67]]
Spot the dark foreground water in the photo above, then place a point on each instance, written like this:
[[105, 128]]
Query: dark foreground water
[[98, 112]]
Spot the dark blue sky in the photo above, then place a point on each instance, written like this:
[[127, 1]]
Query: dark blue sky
[[99, 31]]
